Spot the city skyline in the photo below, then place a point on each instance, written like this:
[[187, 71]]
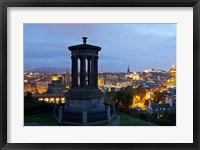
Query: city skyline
[[139, 46]]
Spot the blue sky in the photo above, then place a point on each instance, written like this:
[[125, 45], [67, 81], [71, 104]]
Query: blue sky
[[140, 46]]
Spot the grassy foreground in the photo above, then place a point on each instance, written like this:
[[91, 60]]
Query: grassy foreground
[[49, 120], [127, 120], [43, 119]]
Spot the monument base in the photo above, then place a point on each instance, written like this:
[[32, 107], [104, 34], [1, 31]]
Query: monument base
[[81, 99], [89, 105], [115, 121], [85, 106]]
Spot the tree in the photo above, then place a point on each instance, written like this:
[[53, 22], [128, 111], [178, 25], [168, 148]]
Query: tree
[[123, 98], [167, 119], [158, 96], [141, 91], [29, 99], [33, 106]]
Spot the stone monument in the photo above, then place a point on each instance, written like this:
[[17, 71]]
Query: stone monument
[[84, 100], [87, 95]]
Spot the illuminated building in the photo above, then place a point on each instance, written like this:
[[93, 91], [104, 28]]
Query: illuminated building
[[101, 71], [25, 81], [171, 101], [124, 82], [100, 81], [56, 85], [172, 71], [54, 78], [154, 71], [134, 76], [171, 81], [41, 87], [158, 109], [67, 79], [161, 80], [29, 88]]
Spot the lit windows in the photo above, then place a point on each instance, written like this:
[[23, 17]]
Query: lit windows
[[40, 99], [46, 100]]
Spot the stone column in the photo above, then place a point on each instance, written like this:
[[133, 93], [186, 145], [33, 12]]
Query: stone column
[[74, 71], [96, 72], [92, 72], [60, 115], [89, 72], [108, 113], [113, 106], [84, 117], [83, 72]]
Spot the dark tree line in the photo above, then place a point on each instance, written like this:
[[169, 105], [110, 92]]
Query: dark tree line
[[33, 107], [124, 97]]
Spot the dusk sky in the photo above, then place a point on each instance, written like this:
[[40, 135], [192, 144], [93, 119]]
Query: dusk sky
[[140, 46]]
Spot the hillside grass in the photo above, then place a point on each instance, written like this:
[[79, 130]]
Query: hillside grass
[[43, 119], [127, 120], [49, 120]]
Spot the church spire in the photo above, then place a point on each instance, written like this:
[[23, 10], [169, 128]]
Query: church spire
[[67, 72], [128, 70]]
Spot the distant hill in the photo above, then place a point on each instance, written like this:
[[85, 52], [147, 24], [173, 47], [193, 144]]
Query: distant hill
[[49, 70]]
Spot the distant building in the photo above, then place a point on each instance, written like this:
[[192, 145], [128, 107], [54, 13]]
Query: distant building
[[171, 81], [56, 85], [173, 71], [171, 101], [100, 81], [101, 71], [133, 76], [41, 87], [154, 71], [128, 70], [124, 82], [158, 109], [29, 88]]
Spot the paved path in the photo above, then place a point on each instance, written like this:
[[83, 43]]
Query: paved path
[[32, 124], [115, 121]]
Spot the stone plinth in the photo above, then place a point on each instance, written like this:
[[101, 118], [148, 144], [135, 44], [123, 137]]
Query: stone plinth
[[84, 93], [85, 99]]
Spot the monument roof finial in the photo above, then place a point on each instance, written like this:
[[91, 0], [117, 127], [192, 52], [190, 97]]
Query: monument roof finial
[[84, 46], [84, 40]]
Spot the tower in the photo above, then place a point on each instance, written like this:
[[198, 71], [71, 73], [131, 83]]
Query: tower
[[172, 71], [128, 70]]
